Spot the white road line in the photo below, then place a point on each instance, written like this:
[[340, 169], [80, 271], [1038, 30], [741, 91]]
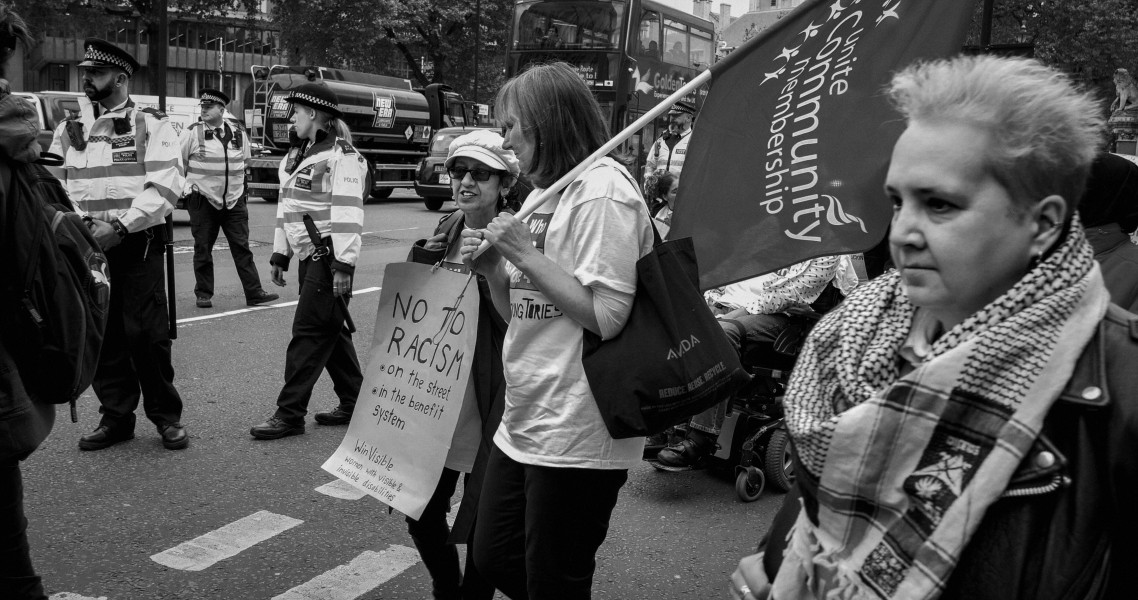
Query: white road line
[[70, 596], [366, 572], [262, 307], [342, 490], [390, 230], [225, 542]]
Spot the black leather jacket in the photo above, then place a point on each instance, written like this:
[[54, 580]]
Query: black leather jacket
[[1067, 526]]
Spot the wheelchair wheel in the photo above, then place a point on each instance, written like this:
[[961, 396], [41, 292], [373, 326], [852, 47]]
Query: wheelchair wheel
[[749, 484], [778, 463]]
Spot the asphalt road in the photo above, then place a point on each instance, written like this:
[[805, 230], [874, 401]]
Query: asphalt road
[[235, 518]]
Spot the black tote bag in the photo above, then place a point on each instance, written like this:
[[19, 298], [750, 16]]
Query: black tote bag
[[671, 360]]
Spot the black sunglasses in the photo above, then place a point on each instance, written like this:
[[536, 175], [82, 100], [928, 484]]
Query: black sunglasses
[[478, 174]]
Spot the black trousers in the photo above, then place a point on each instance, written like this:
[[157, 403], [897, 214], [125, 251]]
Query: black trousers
[[430, 534], [136, 355], [319, 342], [205, 222], [18, 580], [539, 528]]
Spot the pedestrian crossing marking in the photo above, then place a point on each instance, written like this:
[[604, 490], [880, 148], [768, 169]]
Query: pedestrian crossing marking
[[70, 596], [341, 489], [225, 542], [366, 572]]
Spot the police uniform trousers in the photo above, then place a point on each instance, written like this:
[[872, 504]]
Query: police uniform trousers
[[319, 342], [136, 353], [205, 222]]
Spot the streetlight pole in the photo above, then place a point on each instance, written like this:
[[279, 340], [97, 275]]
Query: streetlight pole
[[162, 49], [477, 43]]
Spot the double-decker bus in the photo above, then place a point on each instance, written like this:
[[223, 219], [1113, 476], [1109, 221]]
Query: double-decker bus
[[631, 53]]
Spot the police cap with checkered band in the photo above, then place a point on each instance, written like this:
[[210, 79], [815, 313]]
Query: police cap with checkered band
[[212, 95], [316, 96], [101, 53]]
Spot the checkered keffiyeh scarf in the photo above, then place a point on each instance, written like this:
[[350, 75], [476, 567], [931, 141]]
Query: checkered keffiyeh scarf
[[900, 469]]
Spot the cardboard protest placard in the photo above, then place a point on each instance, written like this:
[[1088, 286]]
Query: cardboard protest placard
[[414, 386]]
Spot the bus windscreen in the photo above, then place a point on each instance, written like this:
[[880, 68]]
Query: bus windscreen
[[568, 25]]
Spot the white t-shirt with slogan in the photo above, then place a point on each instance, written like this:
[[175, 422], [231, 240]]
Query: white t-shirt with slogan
[[596, 230]]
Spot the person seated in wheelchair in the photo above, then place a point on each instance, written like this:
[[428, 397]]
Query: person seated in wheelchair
[[753, 311]]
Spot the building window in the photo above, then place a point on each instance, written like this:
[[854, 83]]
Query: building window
[[229, 86], [175, 81], [208, 79], [56, 77], [122, 31], [180, 35]]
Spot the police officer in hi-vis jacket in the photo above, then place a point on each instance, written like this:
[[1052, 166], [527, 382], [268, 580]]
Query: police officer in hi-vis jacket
[[669, 150], [215, 150], [123, 170], [324, 177]]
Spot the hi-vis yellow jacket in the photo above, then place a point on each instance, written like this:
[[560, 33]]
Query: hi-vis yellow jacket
[[135, 175], [328, 184], [663, 158], [217, 173]]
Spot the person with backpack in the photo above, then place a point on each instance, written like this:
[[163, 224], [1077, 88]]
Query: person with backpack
[[24, 423], [215, 151], [123, 169]]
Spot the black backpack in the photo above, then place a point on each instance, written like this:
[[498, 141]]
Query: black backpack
[[56, 288]]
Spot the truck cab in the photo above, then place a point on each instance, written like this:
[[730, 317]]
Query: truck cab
[[391, 122]]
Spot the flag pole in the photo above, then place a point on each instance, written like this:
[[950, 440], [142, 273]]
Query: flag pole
[[617, 140]]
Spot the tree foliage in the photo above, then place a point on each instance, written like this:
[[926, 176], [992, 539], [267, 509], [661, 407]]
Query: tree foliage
[[435, 39], [1088, 39]]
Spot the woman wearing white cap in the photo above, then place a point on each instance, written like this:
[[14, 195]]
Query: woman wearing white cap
[[483, 175]]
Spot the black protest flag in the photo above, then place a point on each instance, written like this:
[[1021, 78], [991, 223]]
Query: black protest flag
[[789, 153]]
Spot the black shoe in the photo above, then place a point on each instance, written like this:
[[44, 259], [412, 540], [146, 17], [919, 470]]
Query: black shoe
[[653, 444], [684, 455], [204, 302], [103, 437], [275, 428], [261, 298], [174, 436], [338, 416]]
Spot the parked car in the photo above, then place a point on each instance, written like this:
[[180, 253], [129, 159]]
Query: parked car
[[432, 183]]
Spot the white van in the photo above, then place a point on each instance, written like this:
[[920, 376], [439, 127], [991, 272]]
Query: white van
[[182, 111], [54, 107]]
